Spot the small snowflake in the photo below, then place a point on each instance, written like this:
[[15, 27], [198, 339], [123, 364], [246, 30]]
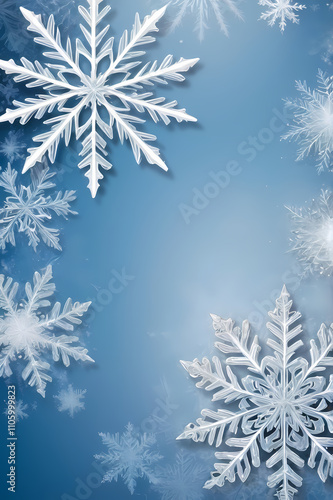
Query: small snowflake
[[10, 27], [200, 8], [313, 121], [27, 209], [313, 234], [12, 146], [26, 330], [8, 91], [282, 10], [71, 400], [283, 402], [113, 97], [129, 456], [20, 410]]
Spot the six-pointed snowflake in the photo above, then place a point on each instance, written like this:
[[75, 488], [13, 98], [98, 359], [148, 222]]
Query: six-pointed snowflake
[[28, 209], [112, 97], [20, 411], [12, 146], [280, 10], [201, 8], [313, 234], [313, 121], [27, 329], [282, 402], [71, 400], [129, 456]]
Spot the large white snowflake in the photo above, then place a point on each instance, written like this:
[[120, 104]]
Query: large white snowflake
[[71, 400], [283, 402], [27, 330], [129, 456], [281, 11], [312, 228], [201, 9], [109, 91], [313, 121], [28, 209]]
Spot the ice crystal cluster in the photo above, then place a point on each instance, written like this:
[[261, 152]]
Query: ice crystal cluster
[[71, 400], [130, 456], [201, 9], [313, 121], [28, 329], [283, 402], [280, 11], [29, 210], [312, 229], [98, 102]]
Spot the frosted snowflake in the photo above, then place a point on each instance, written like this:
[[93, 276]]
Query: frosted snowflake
[[28, 209], [280, 10], [71, 400], [283, 402], [201, 8], [313, 234], [20, 410], [129, 456], [181, 480], [26, 330], [112, 97], [313, 121], [12, 146]]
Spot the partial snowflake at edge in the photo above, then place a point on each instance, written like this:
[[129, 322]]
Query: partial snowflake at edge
[[280, 11]]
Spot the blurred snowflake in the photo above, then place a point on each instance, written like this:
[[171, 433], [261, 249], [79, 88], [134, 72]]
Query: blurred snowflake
[[71, 400], [280, 10], [313, 121], [20, 410], [11, 32], [27, 209], [62, 9], [12, 146], [283, 404], [8, 92], [200, 9], [313, 234], [26, 331], [129, 456]]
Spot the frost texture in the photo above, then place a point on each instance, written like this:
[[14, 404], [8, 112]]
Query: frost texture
[[129, 456], [201, 9], [313, 121], [111, 96], [283, 402], [312, 228], [28, 210], [280, 11], [181, 480], [20, 410], [10, 27], [27, 330], [12, 146], [71, 400]]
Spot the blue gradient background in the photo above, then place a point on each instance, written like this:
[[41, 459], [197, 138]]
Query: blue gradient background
[[230, 259]]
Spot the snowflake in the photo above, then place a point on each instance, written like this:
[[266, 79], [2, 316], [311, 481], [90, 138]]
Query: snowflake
[[10, 27], [285, 10], [282, 402], [313, 121], [8, 91], [181, 480], [201, 10], [20, 410], [27, 209], [26, 331], [129, 456], [313, 234], [12, 145], [71, 400], [112, 99]]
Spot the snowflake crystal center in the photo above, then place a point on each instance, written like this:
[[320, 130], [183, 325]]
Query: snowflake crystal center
[[22, 328]]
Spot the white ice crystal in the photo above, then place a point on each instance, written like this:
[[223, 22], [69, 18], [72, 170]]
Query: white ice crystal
[[28, 210], [282, 404], [12, 146], [313, 121], [312, 228], [129, 456], [281, 11], [97, 102], [27, 330], [181, 480], [201, 9], [71, 400], [20, 410]]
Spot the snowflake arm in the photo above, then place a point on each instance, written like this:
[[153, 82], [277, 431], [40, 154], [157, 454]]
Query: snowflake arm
[[285, 10]]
